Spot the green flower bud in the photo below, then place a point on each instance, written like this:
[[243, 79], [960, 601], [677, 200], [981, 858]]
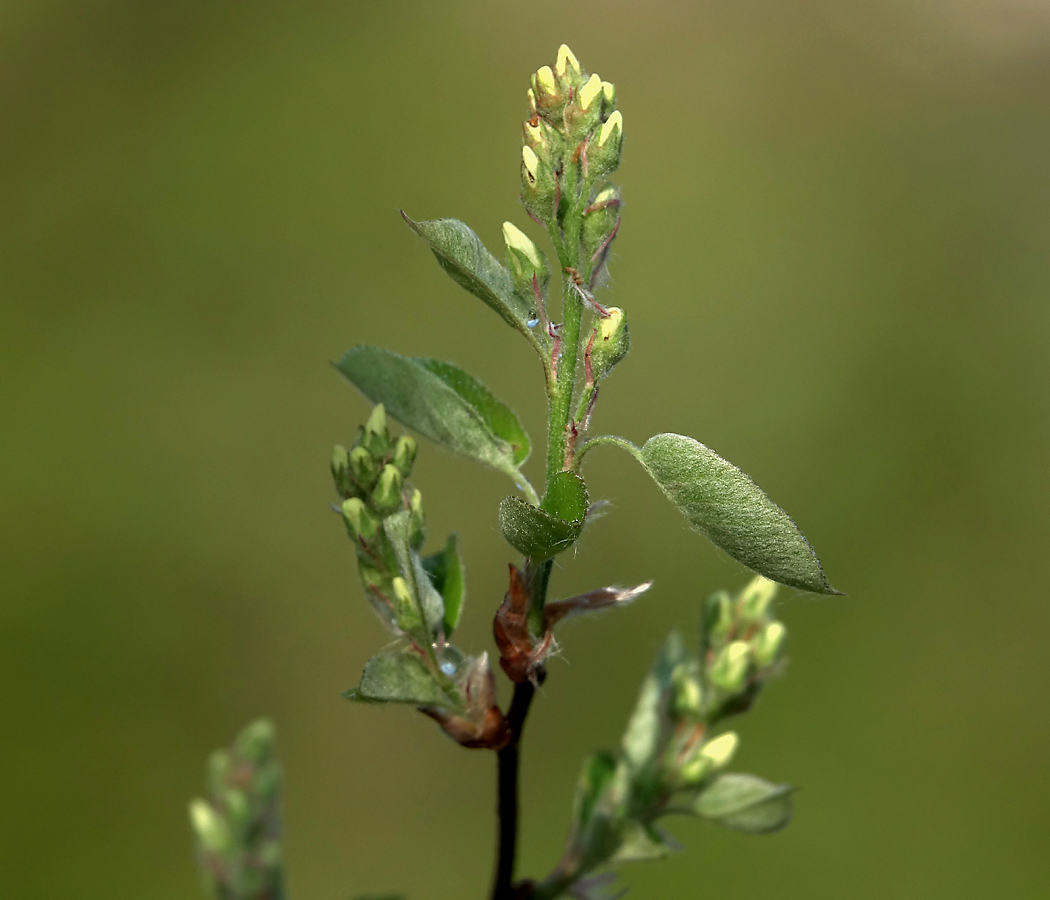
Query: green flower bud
[[599, 220], [756, 598], [612, 343], [375, 438], [525, 259], [211, 830], [608, 98], [717, 618], [361, 522], [364, 468], [539, 186], [603, 151], [713, 757], [766, 645], [344, 487], [256, 742], [238, 809], [386, 498], [687, 697], [407, 613], [404, 454], [730, 668]]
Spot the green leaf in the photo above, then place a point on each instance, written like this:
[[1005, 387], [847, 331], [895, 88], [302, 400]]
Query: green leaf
[[498, 416], [566, 497], [424, 401], [445, 569], [596, 774], [728, 508], [533, 532], [643, 842], [647, 730], [398, 677], [461, 254], [746, 803]]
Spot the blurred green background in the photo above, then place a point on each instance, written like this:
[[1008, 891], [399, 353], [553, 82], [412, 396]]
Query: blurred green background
[[836, 259]]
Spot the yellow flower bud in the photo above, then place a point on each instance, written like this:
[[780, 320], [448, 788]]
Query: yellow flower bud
[[721, 750], [545, 80], [531, 162], [613, 124], [590, 91], [516, 239], [566, 58], [609, 90]]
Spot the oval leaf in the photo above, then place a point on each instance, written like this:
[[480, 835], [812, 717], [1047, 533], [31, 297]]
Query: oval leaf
[[728, 508], [461, 254], [533, 532], [746, 803], [425, 402], [398, 677], [566, 497], [498, 416]]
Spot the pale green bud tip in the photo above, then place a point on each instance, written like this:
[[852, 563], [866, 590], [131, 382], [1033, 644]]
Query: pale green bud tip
[[566, 58], [545, 79], [768, 643], [688, 698], [721, 750], [516, 239], [613, 124], [756, 598], [534, 134], [531, 162], [209, 827], [377, 420], [730, 668], [359, 518], [606, 194], [401, 591], [415, 503], [609, 90], [590, 91]]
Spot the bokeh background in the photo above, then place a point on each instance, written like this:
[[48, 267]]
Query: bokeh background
[[836, 259]]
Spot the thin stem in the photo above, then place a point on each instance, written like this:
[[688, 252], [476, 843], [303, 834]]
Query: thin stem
[[608, 439], [507, 782]]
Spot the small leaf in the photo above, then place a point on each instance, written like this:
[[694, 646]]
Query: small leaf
[[534, 533], [566, 497], [728, 508], [596, 774], [398, 677], [417, 397], [592, 601], [445, 569], [646, 730], [643, 842], [461, 253], [498, 416], [746, 803]]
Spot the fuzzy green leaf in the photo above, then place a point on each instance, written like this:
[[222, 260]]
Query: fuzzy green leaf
[[534, 533], [746, 803], [461, 253], [424, 401], [398, 677], [566, 497], [643, 842], [498, 416], [445, 569], [646, 731], [728, 508]]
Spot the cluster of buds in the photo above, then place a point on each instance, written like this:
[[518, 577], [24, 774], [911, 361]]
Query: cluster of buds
[[572, 137], [742, 644], [372, 480], [238, 826]]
